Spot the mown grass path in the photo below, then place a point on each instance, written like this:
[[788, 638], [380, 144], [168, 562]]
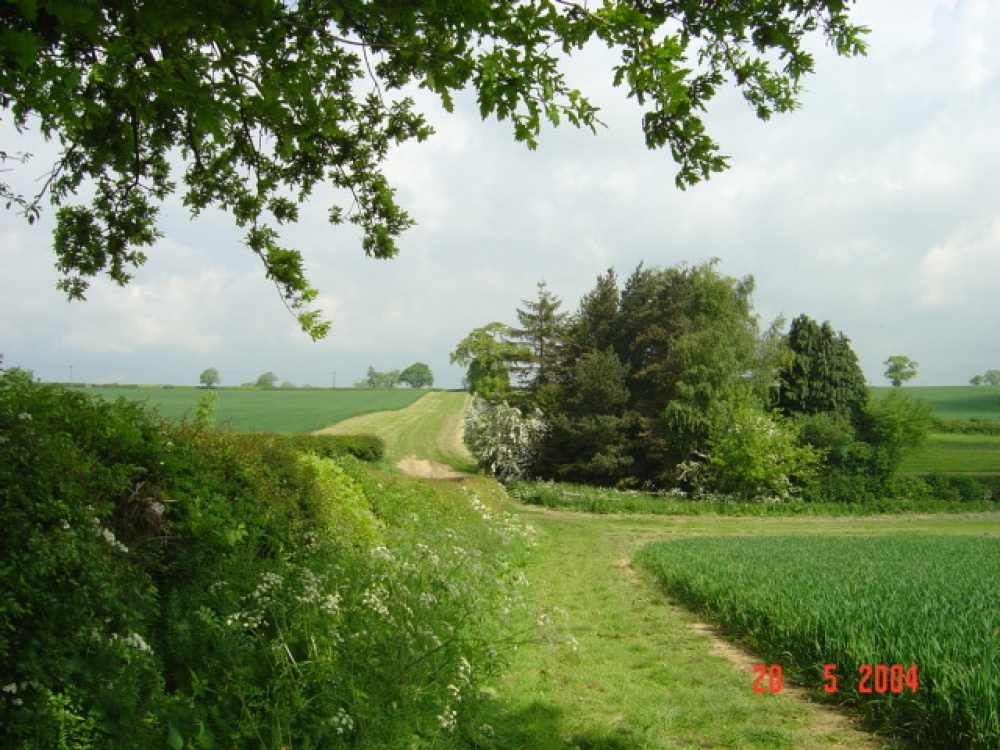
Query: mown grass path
[[644, 673], [429, 429]]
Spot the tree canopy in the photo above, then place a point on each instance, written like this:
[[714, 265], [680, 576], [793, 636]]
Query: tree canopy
[[210, 377], [248, 107], [417, 375], [899, 368]]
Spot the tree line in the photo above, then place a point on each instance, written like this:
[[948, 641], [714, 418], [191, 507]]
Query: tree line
[[670, 380]]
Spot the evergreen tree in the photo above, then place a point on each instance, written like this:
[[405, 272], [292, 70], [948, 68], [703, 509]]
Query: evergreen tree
[[822, 374], [541, 335]]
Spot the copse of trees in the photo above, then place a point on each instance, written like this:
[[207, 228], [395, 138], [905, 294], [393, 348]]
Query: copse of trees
[[670, 380], [417, 375], [990, 377]]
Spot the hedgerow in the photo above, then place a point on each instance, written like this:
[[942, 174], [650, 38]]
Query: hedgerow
[[172, 586]]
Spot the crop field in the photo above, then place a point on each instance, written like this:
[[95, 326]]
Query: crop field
[[955, 401], [278, 410], [950, 453], [904, 628]]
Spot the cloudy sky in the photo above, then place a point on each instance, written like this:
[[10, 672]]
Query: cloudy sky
[[876, 206]]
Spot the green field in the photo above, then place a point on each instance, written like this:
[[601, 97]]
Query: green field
[[949, 453], [278, 410], [953, 452], [625, 668], [808, 602], [955, 401]]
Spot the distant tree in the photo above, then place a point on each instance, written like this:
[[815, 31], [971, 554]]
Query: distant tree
[[287, 384], [266, 380], [417, 375], [376, 379], [991, 377], [822, 373], [977, 380], [899, 369], [489, 352], [210, 377]]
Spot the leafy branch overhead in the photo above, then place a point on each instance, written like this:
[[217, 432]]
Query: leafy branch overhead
[[259, 103]]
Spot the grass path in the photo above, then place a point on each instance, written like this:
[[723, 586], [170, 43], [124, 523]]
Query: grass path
[[645, 673], [429, 429]]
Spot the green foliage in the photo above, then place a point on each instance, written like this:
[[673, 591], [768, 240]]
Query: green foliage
[[752, 455], [417, 375], [210, 377], [376, 379], [266, 380], [907, 495], [263, 103], [208, 405], [502, 439], [541, 335], [370, 448], [897, 423], [805, 602], [822, 374], [899, 369], [990, 377], [955, 401], [168, 585], [489, 352]]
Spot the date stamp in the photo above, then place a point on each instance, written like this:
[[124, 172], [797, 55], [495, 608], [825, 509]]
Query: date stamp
[[871, 678]]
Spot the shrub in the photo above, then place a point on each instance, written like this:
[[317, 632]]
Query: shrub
[[166, 585], [502, 439], [365, 447]]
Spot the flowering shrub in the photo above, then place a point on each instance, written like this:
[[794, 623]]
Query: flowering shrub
[[166, 586], [502, 439]]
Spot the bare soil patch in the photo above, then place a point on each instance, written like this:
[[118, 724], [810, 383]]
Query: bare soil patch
[[424, 469]]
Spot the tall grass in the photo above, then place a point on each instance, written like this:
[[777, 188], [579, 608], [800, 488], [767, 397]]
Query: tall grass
[[808, 602]]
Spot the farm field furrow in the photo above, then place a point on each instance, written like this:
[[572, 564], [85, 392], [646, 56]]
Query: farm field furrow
[[277, 409], [917, 600]]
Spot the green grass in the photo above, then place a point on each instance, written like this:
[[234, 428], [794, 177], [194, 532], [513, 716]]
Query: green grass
[[955, 453], [277, 410], [605, 500], [955, 401], [428, 429], [640, 676], [915, 599]]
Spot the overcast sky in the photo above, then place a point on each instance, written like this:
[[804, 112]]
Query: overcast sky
[[876, 206]]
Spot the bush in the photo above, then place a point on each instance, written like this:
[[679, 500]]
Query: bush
[[166, 585], [502, 439], [369, 448]]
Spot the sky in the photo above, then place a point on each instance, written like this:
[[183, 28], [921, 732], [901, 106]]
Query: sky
[[876, 207]]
